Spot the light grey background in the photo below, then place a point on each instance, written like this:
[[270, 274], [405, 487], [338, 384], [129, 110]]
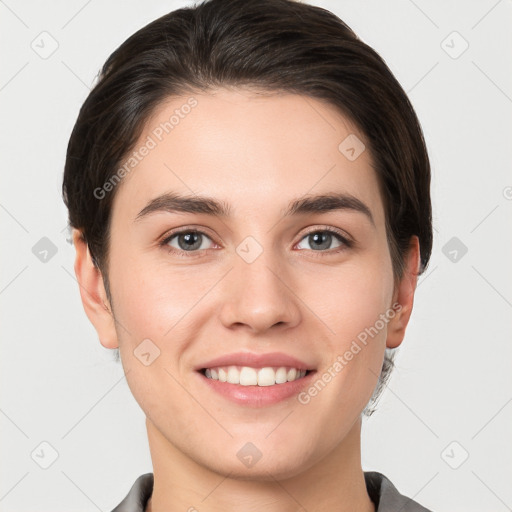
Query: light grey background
[[450, 394]]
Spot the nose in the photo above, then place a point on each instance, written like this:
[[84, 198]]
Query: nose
[[258, 296]]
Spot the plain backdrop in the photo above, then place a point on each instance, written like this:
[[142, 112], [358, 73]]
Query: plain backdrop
[[442, 430]]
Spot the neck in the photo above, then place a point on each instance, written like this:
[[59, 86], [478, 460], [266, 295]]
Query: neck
[[334, 483]]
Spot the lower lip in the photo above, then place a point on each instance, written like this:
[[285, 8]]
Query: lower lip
[[258, 396]]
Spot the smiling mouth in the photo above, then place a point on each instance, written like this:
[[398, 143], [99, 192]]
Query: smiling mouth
[[249, 376]]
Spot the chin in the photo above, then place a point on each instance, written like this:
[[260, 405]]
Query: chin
[[261, 461], [261, 471]]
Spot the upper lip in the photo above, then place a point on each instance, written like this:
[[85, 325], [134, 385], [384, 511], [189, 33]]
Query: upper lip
[[276, 359]]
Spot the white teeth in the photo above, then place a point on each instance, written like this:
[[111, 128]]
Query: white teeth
[[292, 374], [266, 377], [281, 376], [233, 375], [247, 376]]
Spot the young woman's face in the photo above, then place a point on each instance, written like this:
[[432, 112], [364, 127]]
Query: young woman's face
[[257, 287]]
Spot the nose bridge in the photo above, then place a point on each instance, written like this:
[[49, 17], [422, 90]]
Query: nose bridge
[[256, 294]]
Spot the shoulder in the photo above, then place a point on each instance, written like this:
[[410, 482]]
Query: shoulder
[[138, 496], [386, 496]]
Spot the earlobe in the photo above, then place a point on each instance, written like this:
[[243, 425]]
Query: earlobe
[[93, 294], [404, 296]]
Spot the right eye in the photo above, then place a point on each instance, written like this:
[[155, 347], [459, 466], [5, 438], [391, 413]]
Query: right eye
[[186, 241]]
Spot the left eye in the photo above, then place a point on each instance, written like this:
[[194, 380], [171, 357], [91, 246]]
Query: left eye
[[322, 239]]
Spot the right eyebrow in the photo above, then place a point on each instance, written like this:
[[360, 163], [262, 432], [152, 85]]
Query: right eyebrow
[[172, 203]]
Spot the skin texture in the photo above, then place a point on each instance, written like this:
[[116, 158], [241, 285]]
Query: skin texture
[[257, 153]]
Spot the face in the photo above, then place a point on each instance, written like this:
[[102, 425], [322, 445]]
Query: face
[[275, 291]]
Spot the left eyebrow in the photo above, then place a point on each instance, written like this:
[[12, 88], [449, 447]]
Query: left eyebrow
[[172, 203], [327, 203]]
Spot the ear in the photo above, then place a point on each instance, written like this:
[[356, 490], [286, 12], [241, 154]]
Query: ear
[[93, 294], [404, 295]]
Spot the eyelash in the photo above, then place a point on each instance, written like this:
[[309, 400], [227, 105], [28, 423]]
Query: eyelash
[[347, 244]]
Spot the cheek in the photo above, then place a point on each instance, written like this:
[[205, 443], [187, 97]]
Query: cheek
[[354, 303], [353, 297], [153, 302], [155, 314]]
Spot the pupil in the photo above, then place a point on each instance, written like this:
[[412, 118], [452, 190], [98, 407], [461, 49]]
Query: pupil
[[320, 239], [190, 240]]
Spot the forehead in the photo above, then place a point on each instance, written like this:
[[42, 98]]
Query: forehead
[[253, 151]]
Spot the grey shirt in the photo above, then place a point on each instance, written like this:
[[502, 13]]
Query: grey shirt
[[381, 491]]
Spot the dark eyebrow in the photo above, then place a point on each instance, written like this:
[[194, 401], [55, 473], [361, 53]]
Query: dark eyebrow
[[172, 202], [327, 203]]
